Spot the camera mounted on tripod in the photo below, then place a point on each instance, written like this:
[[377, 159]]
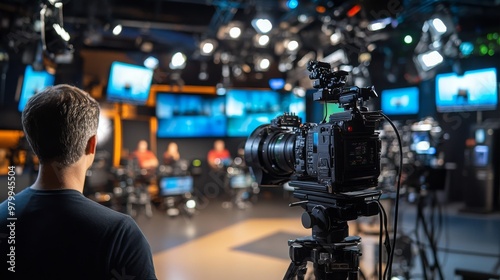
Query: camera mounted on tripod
[[333, 167]]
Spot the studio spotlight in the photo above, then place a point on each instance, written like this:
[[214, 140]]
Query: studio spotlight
[[117, 29], [336, 37], [54, 37], [151, 62], [262, 63], [262, 25], [208, 46], [379, 24], [438, 26], [429, 60], [178, 61], [291, 45], [261, 40], [235, 32], [231, 31]]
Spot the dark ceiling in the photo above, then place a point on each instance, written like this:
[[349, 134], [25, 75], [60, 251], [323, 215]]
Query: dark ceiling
[[161, 27]]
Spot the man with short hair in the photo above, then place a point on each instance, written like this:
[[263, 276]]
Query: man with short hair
[[53, 231]]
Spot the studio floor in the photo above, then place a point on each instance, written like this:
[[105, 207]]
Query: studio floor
[[221, 241]]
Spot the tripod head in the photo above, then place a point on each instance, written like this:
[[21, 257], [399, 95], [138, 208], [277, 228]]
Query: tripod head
[[333, 252]]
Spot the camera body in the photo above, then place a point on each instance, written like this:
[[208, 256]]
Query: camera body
[[341, 155]]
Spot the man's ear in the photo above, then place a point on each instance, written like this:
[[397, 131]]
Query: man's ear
[[91, 145]]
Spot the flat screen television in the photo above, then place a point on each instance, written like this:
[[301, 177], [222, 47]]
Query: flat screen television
[[172, 186], [192, 126], [400, 101], [190, 115], [128, 83], [170, 105], [476, 90], [33, 82], [247, 109]]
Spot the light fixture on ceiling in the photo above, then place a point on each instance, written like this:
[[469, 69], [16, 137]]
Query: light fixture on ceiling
[[178, 61], [291, 45], [208, 46], [336, 37], [428, 60], [117, 29], [261, 40], [231, 31], [151, 62], [55, 39], [235, 32], [262, 63], [379, 24], [262, 25]]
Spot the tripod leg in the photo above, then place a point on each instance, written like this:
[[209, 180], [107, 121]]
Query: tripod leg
[[291, 271], [295, 270]]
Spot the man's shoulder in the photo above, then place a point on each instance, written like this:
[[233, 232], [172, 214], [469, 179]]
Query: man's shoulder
[[14, 201]]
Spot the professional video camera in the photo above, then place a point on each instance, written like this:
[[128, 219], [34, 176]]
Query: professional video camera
[[334, 168]]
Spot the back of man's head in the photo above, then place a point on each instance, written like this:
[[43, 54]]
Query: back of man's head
[[58, 122]]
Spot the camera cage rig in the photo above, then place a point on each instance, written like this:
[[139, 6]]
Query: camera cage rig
[[328, 204]]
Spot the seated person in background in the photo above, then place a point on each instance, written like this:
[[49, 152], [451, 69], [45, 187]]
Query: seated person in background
[[218, 156], [59, 233], [145, 158], [171, 155]]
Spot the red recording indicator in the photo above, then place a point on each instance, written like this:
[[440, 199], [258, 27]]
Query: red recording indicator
[[349, 129]]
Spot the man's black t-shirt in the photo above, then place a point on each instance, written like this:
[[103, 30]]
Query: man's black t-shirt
[[60, 234]]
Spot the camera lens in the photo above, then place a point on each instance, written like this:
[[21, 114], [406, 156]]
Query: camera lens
[[269, 151]]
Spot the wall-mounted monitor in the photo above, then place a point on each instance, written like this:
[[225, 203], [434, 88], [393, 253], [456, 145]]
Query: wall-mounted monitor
[[476, 90], [190, 115], [246, 109], [128, 83], [33, 82], [192, 126], [169, 105], [400, 101]]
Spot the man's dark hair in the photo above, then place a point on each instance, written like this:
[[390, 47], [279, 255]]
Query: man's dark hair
[[58, 122]]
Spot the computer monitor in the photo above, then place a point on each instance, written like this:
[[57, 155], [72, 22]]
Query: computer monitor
[[129, 83], [400, 101], [172, 186], [476, 90], [33, 83]]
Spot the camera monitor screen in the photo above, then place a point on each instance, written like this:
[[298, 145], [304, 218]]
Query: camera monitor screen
[[170, 186], [190, 115], [129, 83], [247, 109], [33, 82], [476, 90], [400, 101]]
